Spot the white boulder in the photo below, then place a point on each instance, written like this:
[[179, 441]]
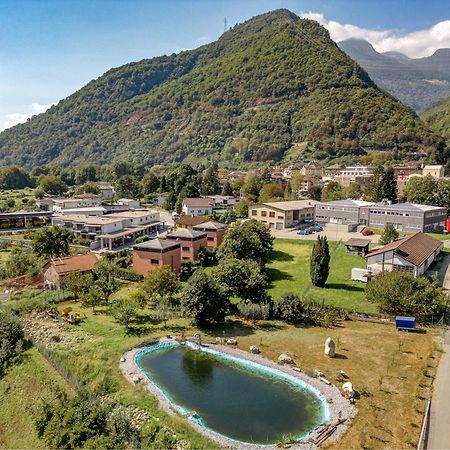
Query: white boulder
[[231, 342], [285, 359], [254, 349], [330, 347]]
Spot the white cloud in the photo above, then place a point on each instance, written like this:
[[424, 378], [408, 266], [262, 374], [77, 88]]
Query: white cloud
[[11, 119], [203, 39], [415, 45]]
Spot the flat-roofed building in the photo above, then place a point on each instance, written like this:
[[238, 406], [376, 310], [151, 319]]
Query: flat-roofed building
[[215, 231], [155, 253], [408, 217], [436, 171], [191, 242], [22, 219], [77, 201], [413, 254], [282, 215], [346, 212]]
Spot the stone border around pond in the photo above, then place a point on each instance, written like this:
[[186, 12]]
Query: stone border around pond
[[338, 406]]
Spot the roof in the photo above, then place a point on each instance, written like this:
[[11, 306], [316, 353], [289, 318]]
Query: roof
[[347, 202], [407, 207], [286, 206], [355, 242], [132, 214], [66, 211], [89, 220], [22, 214], [210, 226], [185, 233], [78, 263], [200, 202], [433, 167], [190, 221], [157, 245], [416, 248]]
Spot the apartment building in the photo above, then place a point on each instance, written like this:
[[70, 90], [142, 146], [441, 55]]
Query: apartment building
[[312, 169], [282, 215], [191, 242], [215, 231]]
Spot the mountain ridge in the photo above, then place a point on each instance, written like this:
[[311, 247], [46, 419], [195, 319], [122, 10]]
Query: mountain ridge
[[263, 85]]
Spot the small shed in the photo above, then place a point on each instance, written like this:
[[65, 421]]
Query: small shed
[[358, 246]]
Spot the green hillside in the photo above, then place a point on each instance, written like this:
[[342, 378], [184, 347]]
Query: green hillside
[[265, 84], [437, 117]]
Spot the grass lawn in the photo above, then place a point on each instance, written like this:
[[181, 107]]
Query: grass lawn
[[289, 272], [20, 391], [389, 366]]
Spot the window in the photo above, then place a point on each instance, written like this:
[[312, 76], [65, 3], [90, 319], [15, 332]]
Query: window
[[264, 213], [399, 268], [280, 217], [271, 214], [155, 262], [254, 212], [210, 239], [185, 249]]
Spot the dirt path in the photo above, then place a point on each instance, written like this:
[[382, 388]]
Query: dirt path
[[438, 436]]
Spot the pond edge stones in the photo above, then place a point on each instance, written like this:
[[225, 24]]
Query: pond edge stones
[[339, 408]]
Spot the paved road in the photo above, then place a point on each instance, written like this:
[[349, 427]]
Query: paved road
[[438, 436]]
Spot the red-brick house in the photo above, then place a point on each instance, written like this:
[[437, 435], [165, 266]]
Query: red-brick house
[[215, 231], [57, 268], [151, 255], [191, 242]]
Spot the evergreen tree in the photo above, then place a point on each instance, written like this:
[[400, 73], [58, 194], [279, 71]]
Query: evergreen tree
[[390, 234], [382, 185], [163, 184], [288, 191], [226, 189], [389, 185], [320, 262]]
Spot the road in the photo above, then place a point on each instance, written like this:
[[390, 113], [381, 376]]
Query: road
[[438, 436]]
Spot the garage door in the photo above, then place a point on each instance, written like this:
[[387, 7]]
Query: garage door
[[279, 225]]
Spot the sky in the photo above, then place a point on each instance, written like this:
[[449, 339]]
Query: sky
[[51, 48]]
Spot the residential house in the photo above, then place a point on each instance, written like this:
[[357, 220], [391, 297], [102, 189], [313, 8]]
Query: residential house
[[436, 171], [191, 242], [282, 215], [224, 201], [215, 231], [155, 253], [107, 190], [198, 206], [57, 268], [413, 254], [312, 170]]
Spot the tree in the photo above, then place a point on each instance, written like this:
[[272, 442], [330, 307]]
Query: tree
[[93, 297], [14, 177], [390, 234], [241, 278], [11, 339], [162, 282], [105, 279], [315, 192], [78, 284], [203, 301], [124, 310], [20, 262], [332, 191], [227, 189], [52, 242], [271, 191], [128, 187], [249, 240], [254, 311], [421, 190], [320, 262], [251, 188], [288, 191], [53, 185], [382, 185], [399, 293], [164, 311], [241, 208], [162, 185], [90, 188], [210, 181], [86, 173], [353, 190], [150, 183]]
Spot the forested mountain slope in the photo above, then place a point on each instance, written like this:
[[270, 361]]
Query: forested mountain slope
[[265, 84], [437, 117]]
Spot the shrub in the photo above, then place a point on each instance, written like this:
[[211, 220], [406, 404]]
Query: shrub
[[142, 239], [11, 339], [254, 311]]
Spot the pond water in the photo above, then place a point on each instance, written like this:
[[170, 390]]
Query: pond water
[[248, 404]]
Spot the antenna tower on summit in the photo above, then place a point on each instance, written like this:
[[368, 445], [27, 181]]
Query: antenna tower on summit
[[224, 24]]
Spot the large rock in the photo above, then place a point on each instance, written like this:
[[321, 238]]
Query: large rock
[[136, 378], [285, 359], [254, 349], [231, 342], [347, 389], [330, 347]]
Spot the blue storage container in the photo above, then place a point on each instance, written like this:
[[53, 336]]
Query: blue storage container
[[405, 323]]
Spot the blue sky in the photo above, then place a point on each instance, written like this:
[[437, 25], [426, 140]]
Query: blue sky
[[50, 48]]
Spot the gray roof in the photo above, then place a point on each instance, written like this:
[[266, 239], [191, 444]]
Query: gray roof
[[210, 226], [185, 233], [156, 244], [347, 202], [407, 207]]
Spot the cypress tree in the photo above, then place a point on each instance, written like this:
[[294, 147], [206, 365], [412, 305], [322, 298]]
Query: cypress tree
[[320, 262]]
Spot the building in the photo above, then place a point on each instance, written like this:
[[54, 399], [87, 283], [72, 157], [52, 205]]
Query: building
[[155, 253], [347, 212], [85, 211], [224, 201], [312, 169], [408, 217], [22, 219], [198, 206], [111, 230], [191, 242], [190, 221], [215, 231], [282, 215], [358, 246], [77, 201], [413, 254], [128, 202], [106, 190], [58, 268], [307, 182], [331, 172], [436, 171]]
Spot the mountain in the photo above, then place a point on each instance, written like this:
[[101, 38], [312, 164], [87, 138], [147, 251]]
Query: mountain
[[416, 82], [263, 86], [437, 117]]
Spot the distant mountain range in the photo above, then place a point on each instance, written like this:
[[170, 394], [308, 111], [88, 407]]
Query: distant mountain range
[[415, 82], [265, 85]]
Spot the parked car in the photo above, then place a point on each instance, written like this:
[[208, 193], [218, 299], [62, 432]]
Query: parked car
[[317, 228], [303, 232], [366, 232]]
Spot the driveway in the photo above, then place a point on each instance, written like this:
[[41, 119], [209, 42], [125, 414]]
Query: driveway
[[331, 234], [438, 436]]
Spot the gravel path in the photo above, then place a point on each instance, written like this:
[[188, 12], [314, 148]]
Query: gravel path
[[339, 407]]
